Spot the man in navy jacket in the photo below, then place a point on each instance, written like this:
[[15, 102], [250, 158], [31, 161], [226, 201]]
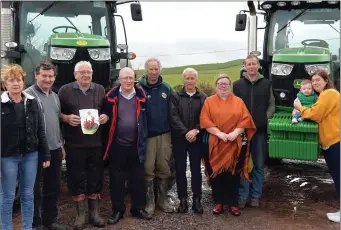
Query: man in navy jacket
[[159, 146]]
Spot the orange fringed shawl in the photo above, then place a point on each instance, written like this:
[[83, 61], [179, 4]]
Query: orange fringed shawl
[[226, 116]]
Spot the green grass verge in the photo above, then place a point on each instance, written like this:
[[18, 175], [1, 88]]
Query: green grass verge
[[207, 72]]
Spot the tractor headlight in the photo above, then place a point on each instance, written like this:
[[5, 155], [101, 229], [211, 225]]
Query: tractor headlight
[[281, 69], [312, 68], [62, 54], [100, 54], [2, 54]]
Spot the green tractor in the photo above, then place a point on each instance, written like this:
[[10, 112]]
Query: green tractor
[[64, 33], [299, 38]]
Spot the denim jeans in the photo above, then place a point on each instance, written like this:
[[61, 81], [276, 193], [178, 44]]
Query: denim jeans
[[297, 115], [258, 151], [332, 157], [25, 167]]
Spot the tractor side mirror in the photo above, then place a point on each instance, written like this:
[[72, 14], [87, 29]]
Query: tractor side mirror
[[241, 22], [45, 47], [136, 11]]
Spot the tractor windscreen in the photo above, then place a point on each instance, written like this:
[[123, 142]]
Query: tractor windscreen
[[314, 27], [39, 20]]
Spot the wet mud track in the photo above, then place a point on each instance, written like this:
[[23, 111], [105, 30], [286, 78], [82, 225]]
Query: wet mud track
[[297, 195]]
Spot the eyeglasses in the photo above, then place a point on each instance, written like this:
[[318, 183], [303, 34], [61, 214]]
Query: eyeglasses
[[83, 72], [223, 84], [127, 78]]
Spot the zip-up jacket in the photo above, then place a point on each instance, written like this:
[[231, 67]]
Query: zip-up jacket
[[35, 139], [158, 96], [111, 109], [258, 98], [185, 112]]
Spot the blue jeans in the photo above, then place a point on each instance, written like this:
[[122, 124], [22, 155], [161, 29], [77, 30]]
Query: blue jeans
[[332, 157], [258, 151], [297, 115], [25, 166]]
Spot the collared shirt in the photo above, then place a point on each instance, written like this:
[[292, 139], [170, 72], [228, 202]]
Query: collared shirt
[[130, 96], [76, 86]]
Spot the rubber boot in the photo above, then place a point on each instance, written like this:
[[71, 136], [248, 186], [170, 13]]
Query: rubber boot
[[94, 217], [162, 201], [80, 219], [150, 206]]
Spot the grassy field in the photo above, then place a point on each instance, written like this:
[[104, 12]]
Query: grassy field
[[207, 72]]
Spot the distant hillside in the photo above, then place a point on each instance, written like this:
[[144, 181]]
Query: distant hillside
[[207, 72]]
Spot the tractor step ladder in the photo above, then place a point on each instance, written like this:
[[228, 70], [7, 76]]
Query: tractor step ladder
[[292, 141]]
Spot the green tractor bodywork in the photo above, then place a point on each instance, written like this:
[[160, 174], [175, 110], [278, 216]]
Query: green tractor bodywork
[[64, 33], [288, 60]]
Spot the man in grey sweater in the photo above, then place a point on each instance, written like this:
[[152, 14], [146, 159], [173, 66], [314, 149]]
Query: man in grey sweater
[[47, 184]]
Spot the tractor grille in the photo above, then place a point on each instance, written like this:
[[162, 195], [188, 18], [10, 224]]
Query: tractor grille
[[101, 70], [285, 84]]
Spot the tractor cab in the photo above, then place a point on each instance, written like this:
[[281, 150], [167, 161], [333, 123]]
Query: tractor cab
[[64, 33]]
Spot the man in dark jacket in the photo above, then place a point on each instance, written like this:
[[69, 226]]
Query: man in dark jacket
[[159, 146], [125, 105], [256, 92], [185, 108]]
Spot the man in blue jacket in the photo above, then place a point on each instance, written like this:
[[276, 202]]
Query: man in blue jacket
[[159, 146], [125, 105]]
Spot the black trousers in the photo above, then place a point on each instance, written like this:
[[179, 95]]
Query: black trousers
[[124, 164], [225, 186], [85, 170], [180, 149], [47, 190]]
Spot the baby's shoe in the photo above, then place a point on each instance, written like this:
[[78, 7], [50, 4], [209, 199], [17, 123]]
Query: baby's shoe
[[294, 120]]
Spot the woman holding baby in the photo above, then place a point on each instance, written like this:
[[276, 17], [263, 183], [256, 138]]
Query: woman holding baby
[[326, 112]]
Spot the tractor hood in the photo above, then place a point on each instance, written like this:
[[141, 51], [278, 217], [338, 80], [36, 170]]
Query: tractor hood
[[307, 54], [78, 40]]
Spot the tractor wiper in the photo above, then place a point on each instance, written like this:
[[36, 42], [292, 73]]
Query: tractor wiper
[[297, 16], [46, 9], [72, 23]]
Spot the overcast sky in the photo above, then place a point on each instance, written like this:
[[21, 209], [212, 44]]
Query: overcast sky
[[189, 33], [185, 33]]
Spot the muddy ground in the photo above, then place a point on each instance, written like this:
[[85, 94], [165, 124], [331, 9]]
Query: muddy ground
[[297, 195]]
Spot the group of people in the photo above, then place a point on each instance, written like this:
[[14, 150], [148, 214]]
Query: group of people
[[145, 125]]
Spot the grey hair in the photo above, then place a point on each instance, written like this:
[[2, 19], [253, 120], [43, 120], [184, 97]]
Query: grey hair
[[221, 76], [150, 60], [125, 70], [81, 63], [190, 70]]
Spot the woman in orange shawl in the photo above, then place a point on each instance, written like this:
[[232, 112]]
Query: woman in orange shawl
[[230, 127]]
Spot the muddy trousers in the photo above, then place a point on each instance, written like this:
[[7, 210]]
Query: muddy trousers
[[46, 191], [180, 149], [125, 163], [158, 157], [332, 157], [85, 168]]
